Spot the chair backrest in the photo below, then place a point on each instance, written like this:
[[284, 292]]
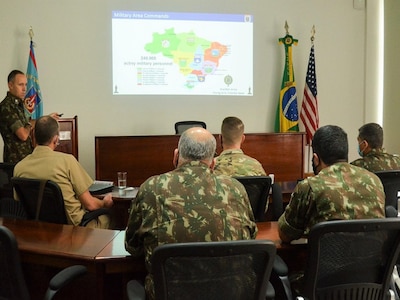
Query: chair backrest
[[351, 259], [257, 188], [277, 208], [391, 184], [12, 283], [181, 126], [213, 270], [6, 172], [51, 206]]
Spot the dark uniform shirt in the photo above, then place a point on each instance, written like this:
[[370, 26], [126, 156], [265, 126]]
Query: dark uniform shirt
[[188, 204], [378, 160], [12, 117], [339, 192]]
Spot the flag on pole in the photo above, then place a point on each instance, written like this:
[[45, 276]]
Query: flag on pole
[[287, 116], [309, 107], [33, 98]]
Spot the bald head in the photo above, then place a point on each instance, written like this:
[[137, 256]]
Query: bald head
[[46, 128], [197, 144]]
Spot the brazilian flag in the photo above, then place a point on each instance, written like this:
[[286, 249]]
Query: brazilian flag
[[287, 116]]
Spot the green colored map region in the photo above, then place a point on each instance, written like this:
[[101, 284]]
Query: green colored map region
[[196, 57]]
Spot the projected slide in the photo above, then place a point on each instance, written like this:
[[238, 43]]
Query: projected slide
[[166, 53]]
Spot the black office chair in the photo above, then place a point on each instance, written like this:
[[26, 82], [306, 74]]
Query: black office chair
[[43, 201], [210, 270], [257, 188], [181, 126], [277, 202], [12, 282], [6, 172], [391, 184], [351, 259]]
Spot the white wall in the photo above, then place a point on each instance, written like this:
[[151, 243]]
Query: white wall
[[73, 54], [391, 121]]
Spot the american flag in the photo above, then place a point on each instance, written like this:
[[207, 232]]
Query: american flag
[[309, 107]]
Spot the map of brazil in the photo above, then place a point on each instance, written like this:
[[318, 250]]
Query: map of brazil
[[182, 54], [196, 57]]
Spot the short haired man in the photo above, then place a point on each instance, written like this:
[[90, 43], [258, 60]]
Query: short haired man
[[15, 126], [65, 170], [232, 161], [338, 191], [188, 204], [370, 147]]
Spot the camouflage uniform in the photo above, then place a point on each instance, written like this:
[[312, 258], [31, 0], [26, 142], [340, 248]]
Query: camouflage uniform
[[188, 204], [378, 160], [12, 117], [340, 191], [236, 163]]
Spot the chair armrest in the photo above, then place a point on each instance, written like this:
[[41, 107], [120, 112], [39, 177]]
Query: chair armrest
[[135, 290], [91, 215], [280, 266], [390, 212], [280, 279], [270, 292], [63, 278]]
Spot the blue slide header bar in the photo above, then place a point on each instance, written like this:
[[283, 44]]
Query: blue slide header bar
[[151, 15]]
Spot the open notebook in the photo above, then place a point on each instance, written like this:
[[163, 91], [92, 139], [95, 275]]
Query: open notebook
[[101, 187]]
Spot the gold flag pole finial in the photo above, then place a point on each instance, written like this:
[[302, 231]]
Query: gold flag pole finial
[[31, 34], [313, 34], [287, 27]]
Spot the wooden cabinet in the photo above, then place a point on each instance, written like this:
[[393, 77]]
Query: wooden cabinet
[[68, 136]]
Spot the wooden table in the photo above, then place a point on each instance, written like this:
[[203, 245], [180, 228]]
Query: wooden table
[[121, 208], [294, 254], [59, 246], [103, 251], [123, 200]]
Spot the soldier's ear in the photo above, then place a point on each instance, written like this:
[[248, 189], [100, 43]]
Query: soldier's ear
[[175, 158], [212, 164], [316, 159]]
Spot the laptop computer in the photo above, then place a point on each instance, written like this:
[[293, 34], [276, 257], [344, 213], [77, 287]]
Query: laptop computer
[[101, 187]]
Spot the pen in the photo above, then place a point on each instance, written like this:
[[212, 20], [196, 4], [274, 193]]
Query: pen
[[60, 115]]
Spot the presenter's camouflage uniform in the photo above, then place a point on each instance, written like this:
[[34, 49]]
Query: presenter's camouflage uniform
[[188, 204], [378, 160], [340, 191], [12, 117], [236, 163]]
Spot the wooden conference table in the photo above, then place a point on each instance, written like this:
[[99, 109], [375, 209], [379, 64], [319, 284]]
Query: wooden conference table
[[121, 207], [103, 253], [58, 246], [123, 200]]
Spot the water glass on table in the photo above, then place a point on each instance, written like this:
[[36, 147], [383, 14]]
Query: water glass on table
[[122, 176]]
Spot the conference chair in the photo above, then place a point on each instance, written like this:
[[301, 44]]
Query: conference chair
[[12, 282], [257, 188], [181, 126], [6, 172], [277, 201], [210, 270], [43, 201], [351, 259], [391, 184]]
